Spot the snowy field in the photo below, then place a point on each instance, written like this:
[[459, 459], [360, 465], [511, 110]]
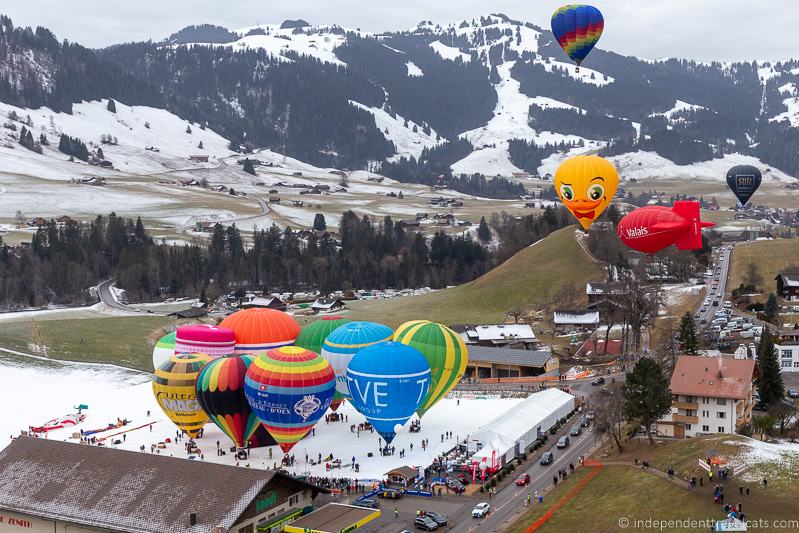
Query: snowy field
[[43, 390], [774, 460]]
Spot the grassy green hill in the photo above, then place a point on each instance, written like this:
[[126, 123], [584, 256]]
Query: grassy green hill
[[769, 256], [522, 281]]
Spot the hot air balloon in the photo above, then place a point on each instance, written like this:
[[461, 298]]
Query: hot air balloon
[[175, 390], [164, 349], [345, 341], [577, 29], [652, 228], [258, 330], [586, 184], [313, 336], [744, 180], [289, 389], [444, 351], [213, 341], [220, 391], [388, 382]]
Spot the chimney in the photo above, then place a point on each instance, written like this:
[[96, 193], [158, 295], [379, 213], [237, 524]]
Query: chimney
[[718, 374], [192, 519]]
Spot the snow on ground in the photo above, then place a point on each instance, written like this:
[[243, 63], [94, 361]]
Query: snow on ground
[[789, 89], [766, 72], [777, 460], [511, 120], [792, 114], [642, 165], [413, 70], [449, 52], [582, 74], [679, 107], [49, 389], [90, 121], [408, 143], [545, 102]]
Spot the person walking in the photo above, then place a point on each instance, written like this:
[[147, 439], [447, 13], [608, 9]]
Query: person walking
[[396, 512], [765, 483]]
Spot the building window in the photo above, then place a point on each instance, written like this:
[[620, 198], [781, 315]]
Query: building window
[[293, 500], [721, 429], [705, 428], [704, 401], [705, 414], [688, 427], [786, 363], [721, 414], [796, 364], [721, 401], [247, 529], [786, 354]]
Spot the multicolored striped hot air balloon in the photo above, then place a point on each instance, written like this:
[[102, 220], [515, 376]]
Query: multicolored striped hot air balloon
[[345, 341], [175, 390], [213, 341], [220, 391], [388, 382], [164, 349], [289, 389], [445, 352], [314, 335], [577, 29], [258, 330]]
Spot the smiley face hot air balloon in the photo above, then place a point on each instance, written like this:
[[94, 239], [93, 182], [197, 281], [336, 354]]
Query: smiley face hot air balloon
[[258, 330], [444, 351], [345, 341], [220, 391], [586, 184], [175, 390], [388, 382], [577, 29], [289, 389], [743, 181], [164, 349]]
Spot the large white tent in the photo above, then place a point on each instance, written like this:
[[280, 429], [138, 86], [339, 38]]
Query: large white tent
[[510, 433]]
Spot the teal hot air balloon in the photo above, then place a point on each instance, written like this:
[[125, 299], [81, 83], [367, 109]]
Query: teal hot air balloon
[[388, 382], [577, 29], [313, 336], [345, 341]]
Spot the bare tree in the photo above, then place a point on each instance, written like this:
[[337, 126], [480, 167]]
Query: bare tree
[[568, 296], [609, 416], [783, 412]]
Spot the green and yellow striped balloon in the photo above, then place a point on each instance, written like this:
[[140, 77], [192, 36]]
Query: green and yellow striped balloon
[[445, 352]]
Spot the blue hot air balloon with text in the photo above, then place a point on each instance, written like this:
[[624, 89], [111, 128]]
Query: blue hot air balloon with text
[[743, 181], [388, 382]]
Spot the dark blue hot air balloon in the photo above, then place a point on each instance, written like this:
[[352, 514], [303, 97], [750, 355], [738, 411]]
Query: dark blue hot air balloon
[[388, 382], [577, 29], [743, 181]]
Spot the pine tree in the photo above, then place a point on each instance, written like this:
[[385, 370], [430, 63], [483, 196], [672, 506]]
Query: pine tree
[[647, 397], [249, 168], [687, 335], [200, 145], [112, 106], [319, 222], [770, 384], [771, 308], [483, 231], [188, 129]]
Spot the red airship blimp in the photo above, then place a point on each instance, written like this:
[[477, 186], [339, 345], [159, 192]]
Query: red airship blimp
[[652, 228]]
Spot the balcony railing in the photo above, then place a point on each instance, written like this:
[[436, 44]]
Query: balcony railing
[[685, 419], [686, 405]]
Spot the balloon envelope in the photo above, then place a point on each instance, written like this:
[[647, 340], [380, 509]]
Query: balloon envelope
[[164, 349], [289, 389], [213, 341], [577, 29], [313, 336], [652, 228], [388, 382], [258, 330], [175, 390], [743, 181], [345, 341], [445, 352], [586, 184], [220, 391]]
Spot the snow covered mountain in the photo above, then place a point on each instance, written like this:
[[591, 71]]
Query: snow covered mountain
[[492, 96]]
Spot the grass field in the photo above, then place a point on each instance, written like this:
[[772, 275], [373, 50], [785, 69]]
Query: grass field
[[126, 341], [522, 281], [615, 493], [770, 256]]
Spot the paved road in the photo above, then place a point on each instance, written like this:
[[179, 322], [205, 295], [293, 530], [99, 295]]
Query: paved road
[[107, 297], [723, 263]]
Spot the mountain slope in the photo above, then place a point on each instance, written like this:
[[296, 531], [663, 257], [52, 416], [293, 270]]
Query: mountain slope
[[525, 280]]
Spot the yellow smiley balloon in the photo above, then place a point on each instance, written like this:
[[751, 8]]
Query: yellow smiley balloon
[[586, 184]]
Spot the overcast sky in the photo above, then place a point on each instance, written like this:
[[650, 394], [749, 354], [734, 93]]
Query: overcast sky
[[701, 29]]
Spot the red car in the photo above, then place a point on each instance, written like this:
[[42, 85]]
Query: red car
[[523, 479]]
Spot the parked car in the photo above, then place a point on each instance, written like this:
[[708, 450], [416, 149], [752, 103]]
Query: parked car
[[438, 518], [464, 478], [523, 479], [576, 430], [598, 381], [759, 406], [455, 485], [547, 458], [426, 523], [590, 415], [563, 442], [792, 393], [480, 510], [584, 422], [391, 494]]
